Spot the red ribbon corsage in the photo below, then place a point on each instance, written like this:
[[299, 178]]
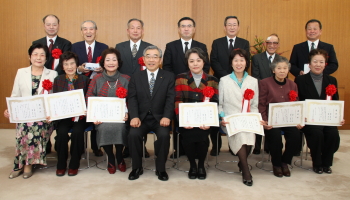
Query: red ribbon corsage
[[293, 95], [330, 91], [121, 92], [56, 53]]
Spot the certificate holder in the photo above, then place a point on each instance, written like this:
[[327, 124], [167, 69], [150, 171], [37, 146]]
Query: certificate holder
[[106, 109], [198, 114], [286, 114], [244, 122], [67, 104], [26, 109], [324, 112]]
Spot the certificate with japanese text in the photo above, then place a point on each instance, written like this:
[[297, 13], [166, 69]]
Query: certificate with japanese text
[[198, 114], [286, 114], [106, 109], [26, 109], [244, 122], [324, 112], [67, 104]]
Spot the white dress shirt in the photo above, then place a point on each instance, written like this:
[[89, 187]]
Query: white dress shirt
[[137, 45], [316, 44], [188, 45], [48, 40], [228, 41], [150, 76]]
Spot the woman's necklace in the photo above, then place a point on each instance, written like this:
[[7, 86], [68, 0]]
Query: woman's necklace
[[113, 87]]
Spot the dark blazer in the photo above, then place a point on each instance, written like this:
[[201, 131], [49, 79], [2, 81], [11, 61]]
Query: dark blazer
[[80, 49], [174, 57], [60, 43], [219, 55], [307, 89], [161, 104], [300, 56], [261, 66], [126, 56]]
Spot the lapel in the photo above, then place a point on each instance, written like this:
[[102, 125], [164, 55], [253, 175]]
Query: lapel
[[192, 84], [305, 52], [28, 78], [320, 45], [97, 51], [127, 51], [145, 83], [325, 83], [57, 44], [224, 45], [266, 63], [44, 76], [180, 51], [158, 83], [138, 55], [82, 48]]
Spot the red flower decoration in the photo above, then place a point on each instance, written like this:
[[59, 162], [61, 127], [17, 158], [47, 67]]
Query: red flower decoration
[[331, 90], [141, 61], [121, 92], [56, 53], [248, 94], [208, 91], [293, 95], [98, 59], [47, 84]]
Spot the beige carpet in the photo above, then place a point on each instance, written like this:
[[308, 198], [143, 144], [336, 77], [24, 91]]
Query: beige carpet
[[94, 183]]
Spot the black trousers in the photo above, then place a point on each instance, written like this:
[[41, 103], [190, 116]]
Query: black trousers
[[323, 142], [161, 145], [77, 142], [274, 140]]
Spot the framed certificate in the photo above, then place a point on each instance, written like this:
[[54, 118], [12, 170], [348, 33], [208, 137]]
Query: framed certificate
[[198, 114], [26, 109], [244, 122], [106, 109], [67, 104], [324, 112], [286, 114]]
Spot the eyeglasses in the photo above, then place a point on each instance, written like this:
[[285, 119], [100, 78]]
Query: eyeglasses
[[273, 43], [188, 26], [151, 57]]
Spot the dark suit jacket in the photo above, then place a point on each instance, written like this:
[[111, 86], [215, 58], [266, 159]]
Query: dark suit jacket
[[307, 89], [126, 56], [219, 56], [161, 104], [261, 66], [80, 49], [174, 57], [300, 56], [60, 43]]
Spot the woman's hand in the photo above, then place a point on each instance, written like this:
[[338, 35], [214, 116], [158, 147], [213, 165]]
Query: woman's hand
[[6, 114], [188, 127], [223, 123], [204, 127], [82, 69], [126, 117], [342, 122], [299, 126], [266, 126], [97, 122], [48, 119]]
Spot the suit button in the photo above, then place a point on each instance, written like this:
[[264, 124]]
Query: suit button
[[196, 95], [282, 96]]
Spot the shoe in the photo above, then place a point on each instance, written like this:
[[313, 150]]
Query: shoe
[[247, 182], [27, 175], [318, 170], [60, 172], [285, 170], [72, 172], [98, 153], [111, 168], [277, 171], [15, 174], [256, 151], [135, 173], [201, 173], [122, 166], [174, 155], [192, 174], [214, 152], [327, 170], [163, 176], [146, 153]]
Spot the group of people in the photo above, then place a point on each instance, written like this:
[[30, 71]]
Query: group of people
[[154, 94]]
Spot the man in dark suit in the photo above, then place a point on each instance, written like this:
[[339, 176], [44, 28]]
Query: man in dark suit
[[219, 60], [130, 52], [151, 107], [300, 53], [53, 41], [88, 51], [174, 60]]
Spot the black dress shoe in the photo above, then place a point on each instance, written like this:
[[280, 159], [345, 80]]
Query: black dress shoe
[[327, 170], [277, 171], [214, 152], [146, 153], [318, 170], [98, 153], [135, 173], [256, 151], [247, 182], [163, 176], [192, 174], [201, 173]]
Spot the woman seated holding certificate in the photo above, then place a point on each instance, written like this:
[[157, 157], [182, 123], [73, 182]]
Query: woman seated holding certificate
[[192, 87], [323, 141], [276, 89], [111, 83], [32, 137], [234, 89], [66, 82]]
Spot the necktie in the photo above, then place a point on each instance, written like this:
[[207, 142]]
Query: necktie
[[89, 55], [230, 48], [51, 45], [134, 50], [186, 47], [312, 46], [270, 58], [151, 84]]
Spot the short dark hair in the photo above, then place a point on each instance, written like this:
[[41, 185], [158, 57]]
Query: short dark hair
[[110, 50], [315, 52], [58, 20], [186, 18], [135, 19], [39, 46], [313, 20], [66, 56], [230, 17], [197, 51], [241, 52]]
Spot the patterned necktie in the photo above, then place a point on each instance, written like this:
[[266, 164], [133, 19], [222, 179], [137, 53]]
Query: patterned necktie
[[89, 55], [312, 46], [134, 51], [186, 47], [270, 58], [230, 48], [151, 84], [51, 45]]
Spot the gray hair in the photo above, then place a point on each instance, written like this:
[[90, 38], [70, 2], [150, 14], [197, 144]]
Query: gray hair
[[153, 47], [135, 19], [279, 59], [94, 23]]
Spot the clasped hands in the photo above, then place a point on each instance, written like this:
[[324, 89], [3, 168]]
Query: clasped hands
[[136, 122]]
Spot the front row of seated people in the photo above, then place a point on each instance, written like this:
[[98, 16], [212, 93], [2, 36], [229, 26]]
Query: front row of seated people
[[153, 94]]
